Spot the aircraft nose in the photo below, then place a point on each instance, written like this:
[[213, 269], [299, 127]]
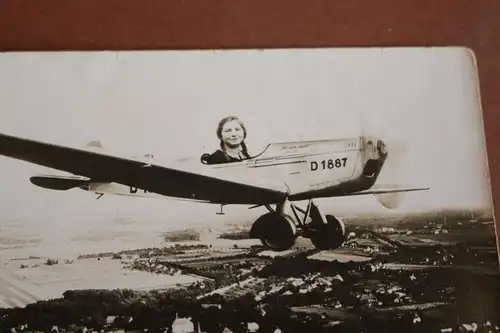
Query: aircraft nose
[[381, 147], [375, 148]]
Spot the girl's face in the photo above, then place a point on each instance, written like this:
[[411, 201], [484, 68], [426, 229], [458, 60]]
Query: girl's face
[[232, 134]]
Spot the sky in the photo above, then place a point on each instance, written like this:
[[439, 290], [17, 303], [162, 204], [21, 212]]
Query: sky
[[424, 102]]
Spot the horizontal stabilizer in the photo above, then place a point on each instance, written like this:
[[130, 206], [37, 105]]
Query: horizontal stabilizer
[[384, 190], [59, 183], [390, 196]]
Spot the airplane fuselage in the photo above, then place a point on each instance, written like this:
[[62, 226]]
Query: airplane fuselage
[[304, 170]]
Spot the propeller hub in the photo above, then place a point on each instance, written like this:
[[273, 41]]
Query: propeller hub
[[375, 149]]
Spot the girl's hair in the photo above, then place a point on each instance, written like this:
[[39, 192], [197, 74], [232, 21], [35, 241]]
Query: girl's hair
[[219, 132]]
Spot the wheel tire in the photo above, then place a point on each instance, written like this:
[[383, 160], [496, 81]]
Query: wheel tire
[[328, 236], [277, 232]]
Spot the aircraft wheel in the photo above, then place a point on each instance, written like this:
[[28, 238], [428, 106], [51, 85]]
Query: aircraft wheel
[[277, 232], [328, 236]]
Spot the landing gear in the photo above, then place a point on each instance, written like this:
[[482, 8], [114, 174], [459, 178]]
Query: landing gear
[[278, 231], [328, 236]]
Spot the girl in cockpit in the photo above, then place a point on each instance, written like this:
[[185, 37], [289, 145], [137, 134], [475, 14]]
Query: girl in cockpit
[[232, 134]]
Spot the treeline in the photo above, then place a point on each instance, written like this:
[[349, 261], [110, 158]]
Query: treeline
[[148, 252], [236, 235], [157, 311], [182, 235]]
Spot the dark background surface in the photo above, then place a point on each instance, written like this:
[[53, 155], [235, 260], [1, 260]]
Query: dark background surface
[[189, 24]]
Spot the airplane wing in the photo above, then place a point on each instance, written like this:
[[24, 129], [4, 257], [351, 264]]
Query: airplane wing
[[159, 179]]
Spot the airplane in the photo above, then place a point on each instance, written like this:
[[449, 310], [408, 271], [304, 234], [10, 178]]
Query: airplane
[[281, 175]]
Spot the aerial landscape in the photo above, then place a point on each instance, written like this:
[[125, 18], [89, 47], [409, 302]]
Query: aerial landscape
[[423, 272]]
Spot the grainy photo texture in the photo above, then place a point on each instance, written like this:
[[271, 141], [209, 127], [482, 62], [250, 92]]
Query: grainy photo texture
[[285, 190]]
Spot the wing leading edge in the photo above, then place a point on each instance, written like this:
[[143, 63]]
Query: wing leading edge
[[153, 178]]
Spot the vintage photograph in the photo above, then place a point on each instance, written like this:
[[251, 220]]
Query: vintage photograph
[[275, 190]]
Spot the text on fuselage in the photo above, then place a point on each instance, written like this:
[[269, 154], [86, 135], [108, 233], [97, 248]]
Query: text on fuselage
[[328, 164]]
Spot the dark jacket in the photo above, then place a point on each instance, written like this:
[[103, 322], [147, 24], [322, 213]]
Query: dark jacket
[[219, 157]]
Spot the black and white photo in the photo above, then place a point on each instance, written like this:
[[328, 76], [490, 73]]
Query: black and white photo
[[332, 189]]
